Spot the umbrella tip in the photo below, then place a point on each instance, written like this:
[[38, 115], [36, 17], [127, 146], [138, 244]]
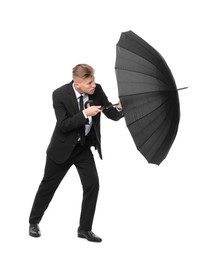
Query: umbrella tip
[[182, 88]]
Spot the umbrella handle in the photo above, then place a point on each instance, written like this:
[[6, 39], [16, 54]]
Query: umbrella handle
[[89, 102]]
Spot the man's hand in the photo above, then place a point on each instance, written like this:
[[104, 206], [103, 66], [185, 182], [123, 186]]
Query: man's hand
[[93, 110], [119, 106]]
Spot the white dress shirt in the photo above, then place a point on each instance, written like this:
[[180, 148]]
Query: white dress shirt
[[85, 99]]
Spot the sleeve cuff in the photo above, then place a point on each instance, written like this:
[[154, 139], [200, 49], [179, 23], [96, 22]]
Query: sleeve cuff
[[84, 114], [118, 109]]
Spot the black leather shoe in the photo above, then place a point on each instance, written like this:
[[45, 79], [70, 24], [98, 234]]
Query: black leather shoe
[[34, 230], [89, 235]]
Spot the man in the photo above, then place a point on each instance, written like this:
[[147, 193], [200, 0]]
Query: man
[[78, 106]]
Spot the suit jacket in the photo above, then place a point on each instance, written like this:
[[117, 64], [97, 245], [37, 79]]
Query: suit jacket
[[70, 121]]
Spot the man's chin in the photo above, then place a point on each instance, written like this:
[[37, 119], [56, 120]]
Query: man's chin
[[91, 92]]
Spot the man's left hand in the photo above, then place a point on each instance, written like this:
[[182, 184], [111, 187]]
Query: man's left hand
[[119, 106]]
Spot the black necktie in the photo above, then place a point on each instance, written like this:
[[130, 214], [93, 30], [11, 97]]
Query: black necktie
[[81, 102], [82, 129]]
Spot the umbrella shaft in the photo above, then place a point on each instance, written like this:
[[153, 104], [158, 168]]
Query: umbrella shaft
[[107, 107]]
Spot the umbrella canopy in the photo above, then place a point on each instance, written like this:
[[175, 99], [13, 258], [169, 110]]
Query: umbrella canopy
[[149, 96]]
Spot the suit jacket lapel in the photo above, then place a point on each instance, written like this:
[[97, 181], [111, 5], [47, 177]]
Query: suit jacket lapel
[[72, 97]]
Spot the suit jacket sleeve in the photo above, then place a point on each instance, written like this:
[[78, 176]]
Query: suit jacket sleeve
[[111, 112]]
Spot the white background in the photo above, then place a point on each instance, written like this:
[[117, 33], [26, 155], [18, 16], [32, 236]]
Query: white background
[[144, 211]]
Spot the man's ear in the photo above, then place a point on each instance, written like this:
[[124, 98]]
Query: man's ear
[[76, 84]]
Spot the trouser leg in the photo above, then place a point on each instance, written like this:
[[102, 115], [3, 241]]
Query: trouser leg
[[89, 178], [54, 173]]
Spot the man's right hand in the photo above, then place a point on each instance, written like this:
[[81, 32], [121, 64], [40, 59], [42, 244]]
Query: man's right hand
[[93, 110]]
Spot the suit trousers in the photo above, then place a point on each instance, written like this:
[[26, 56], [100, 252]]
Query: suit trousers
[[83, 160]]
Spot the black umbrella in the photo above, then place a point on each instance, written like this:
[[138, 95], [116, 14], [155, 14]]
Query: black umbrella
[[149, 96]]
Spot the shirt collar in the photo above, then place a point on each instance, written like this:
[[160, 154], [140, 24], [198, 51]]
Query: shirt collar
[[77, 94]]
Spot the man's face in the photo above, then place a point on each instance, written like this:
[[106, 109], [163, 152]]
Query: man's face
[[86, 86]]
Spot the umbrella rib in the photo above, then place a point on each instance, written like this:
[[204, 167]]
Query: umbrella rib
[[165, 138], [138, 63], [138, 72], [147, 115], [154, 132], [145, 59], [147, 50], [151, 111], [148, 92], [170, 90]]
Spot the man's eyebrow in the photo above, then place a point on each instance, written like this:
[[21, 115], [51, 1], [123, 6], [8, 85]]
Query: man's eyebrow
[[90, 81]]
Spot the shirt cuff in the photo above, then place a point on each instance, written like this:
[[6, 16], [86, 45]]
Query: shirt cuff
[[84, 114], [118, 109]]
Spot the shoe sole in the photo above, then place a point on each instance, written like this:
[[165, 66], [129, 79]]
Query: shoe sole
[[33, 235], [91, 240]]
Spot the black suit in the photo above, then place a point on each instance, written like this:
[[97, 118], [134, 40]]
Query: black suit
[[65, 150]]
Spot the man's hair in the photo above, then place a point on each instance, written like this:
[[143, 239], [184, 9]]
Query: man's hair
[[83, 71]]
